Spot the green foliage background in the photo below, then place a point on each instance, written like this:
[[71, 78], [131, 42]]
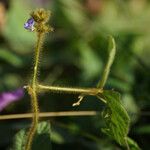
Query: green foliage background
[[74, 55]]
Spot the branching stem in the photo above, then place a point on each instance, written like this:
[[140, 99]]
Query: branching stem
[[49, 114], [33, 92]]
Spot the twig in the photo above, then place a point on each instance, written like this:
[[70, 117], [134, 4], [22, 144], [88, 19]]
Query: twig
[[57, 114], [58, 89], [49, 114], [105, 74]]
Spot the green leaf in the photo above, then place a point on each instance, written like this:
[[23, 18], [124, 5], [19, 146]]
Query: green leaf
[[76, 16], [56, 137], [10, 57], [117, 120], [116, 117], [89, 61], [19, 39], [19, 140], [43, 127], [42, 138], [144, 129], [132, 144]]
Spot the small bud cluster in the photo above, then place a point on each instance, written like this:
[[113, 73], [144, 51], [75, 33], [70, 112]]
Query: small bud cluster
[[38, 21]]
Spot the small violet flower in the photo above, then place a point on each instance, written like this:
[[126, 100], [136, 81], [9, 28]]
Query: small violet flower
[[8, 97], [29, 25]]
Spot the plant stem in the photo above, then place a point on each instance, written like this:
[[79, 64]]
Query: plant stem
[[71, 90], [37, 55], [33, 92], [112, 48], [50, 114]]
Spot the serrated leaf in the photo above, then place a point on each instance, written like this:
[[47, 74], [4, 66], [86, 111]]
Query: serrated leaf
[[42, 138], [116, 117], [117, 120], [43, 127], [19, 140]]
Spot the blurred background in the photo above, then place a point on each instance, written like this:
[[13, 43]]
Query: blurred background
[[74, 55]]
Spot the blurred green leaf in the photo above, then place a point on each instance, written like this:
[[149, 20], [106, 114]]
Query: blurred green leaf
[[119, 84], [141, 48], [41, 139], [57, 137], [12, 80], [131, 107], [74, 12], [143, 129], [20, 39], [90, 64], [43, 127], [132, 144], [19, 140], [10, 57]]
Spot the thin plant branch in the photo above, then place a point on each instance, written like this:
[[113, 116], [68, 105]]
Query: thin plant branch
[[105, 74], [49, 114], [59, 114], [71, 90], [33, 93]]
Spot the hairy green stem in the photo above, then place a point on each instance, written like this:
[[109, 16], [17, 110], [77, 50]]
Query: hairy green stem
[[33, 92], [58, 89], [37, 55]]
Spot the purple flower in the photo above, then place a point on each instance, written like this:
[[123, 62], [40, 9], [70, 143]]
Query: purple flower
[[8, 97], [29, 25]]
